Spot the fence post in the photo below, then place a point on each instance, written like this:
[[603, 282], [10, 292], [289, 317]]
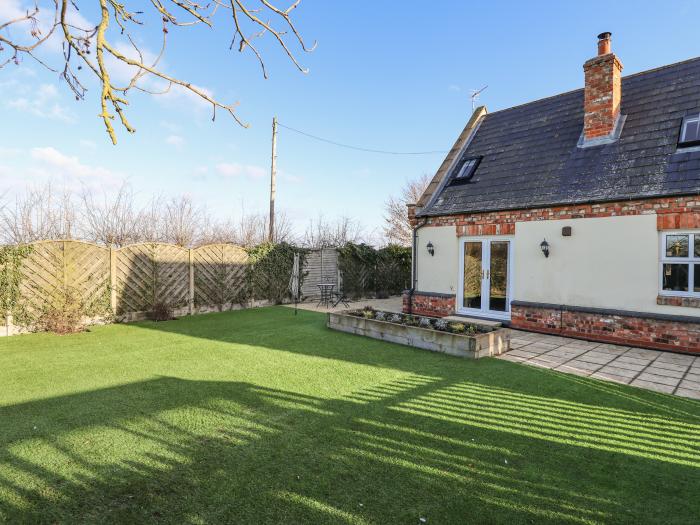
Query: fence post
[[113, 279], [190, 255]]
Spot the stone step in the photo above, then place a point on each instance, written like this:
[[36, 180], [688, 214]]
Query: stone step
[[473, 320]]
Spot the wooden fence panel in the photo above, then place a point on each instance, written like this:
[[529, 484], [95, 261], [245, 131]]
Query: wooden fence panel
[[320, 266], [42, 275], [86, 272], [172, 271], [220, 275], [54, 268], [135, 280]]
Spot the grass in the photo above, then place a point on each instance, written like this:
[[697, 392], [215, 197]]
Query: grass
[[263, 417]]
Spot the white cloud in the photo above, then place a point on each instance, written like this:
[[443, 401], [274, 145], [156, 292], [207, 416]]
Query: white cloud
[[88, 144], [235, 169], [43, 103], [10, 9], [175, 140], [454, 87], [52, 164]]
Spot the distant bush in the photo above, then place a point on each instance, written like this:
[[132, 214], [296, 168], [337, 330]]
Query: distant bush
[[368, 272], [161, 311], [62, 314], [271, 269]]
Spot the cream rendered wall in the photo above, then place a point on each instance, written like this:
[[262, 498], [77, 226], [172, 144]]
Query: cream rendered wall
[[437, 273], [610, 262]]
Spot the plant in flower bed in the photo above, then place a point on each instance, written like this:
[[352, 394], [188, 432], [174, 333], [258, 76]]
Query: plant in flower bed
[[429, 323]]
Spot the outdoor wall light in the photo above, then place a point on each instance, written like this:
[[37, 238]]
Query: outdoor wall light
[[544, 246], [431, 248]]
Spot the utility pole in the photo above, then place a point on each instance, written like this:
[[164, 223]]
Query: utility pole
[[273, 182]]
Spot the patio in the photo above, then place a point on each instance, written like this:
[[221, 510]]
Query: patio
[[665, 372]]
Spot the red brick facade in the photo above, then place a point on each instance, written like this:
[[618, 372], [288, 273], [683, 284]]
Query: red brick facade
[[672, 213], [660, 334], [439, 305]]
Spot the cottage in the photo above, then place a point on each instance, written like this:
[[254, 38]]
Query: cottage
[[577, 214]]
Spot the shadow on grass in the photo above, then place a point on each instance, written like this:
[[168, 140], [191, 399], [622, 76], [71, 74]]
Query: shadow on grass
[[452, 440], [182, 451]]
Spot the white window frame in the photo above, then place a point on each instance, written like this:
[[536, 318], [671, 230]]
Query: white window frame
[[690, 260], [684, 125]]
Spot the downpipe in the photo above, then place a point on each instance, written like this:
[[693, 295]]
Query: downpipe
[[414, 265]]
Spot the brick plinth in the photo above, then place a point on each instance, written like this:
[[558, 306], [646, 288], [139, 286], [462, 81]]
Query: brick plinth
[[647, 332], [431, 305]]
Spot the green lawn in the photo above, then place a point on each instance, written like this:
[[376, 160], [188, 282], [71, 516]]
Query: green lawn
[[263, 417]]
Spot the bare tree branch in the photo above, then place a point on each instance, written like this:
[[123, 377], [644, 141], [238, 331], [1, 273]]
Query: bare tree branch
[[81, 44], [397, 227]]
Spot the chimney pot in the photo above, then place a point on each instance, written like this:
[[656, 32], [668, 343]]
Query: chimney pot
[[604, 43]]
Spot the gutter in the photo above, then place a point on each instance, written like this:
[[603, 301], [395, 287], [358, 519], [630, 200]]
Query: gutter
[[414, 265]]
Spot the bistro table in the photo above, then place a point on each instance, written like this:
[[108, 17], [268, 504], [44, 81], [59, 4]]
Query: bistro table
[[326, 294]]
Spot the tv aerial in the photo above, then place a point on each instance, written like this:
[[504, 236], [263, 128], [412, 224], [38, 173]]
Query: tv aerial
[[475, 95]]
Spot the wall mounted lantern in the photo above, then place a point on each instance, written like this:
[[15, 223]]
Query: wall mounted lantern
[[431, 248], [544, 246]]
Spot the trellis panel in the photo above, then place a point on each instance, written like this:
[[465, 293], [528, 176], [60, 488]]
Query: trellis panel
[[220, 275]]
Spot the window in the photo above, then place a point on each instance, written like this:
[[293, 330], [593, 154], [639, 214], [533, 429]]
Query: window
[[466, 171], [680, 264], [690, 131]]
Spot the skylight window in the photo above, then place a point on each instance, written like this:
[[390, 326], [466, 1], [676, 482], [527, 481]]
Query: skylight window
[[690, 131], [467, 169]]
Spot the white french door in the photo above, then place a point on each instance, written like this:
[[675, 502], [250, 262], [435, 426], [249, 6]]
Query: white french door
[[485, 282]]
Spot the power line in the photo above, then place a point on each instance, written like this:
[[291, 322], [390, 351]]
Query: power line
[[358, 148]]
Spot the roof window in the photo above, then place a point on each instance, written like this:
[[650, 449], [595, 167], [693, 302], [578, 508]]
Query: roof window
[[466, 170], [690, 131]]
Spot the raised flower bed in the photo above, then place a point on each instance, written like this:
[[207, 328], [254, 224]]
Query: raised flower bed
[[428, 333]]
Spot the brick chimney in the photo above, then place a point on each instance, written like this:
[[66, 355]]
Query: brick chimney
[[603, 91]]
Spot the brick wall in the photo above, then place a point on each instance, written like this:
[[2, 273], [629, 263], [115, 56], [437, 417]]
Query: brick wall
[[672, 213], [661, 334], [439, 305]]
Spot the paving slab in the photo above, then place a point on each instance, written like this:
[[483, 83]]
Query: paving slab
[[600, 374], [663, 380], [575, 364], [626, 361], [692, 394], [666, 389], [678, 359], [653, 369], [686, 384], [670, 366], [643, 353], [594, 356], [617, 371], [695, 378]]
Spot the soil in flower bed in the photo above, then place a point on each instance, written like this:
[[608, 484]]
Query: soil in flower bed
[[431, 323]]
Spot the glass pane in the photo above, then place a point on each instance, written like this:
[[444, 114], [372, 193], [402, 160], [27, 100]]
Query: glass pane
[[692, 131], [498, 290], [676, 277], [472, 275], [697, 245], [466, 168], [696, 282], [676, 246]]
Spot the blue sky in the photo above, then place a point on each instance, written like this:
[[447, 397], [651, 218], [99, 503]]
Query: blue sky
[[386, 75]]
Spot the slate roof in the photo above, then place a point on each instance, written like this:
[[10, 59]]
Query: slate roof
[[531, 158]]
